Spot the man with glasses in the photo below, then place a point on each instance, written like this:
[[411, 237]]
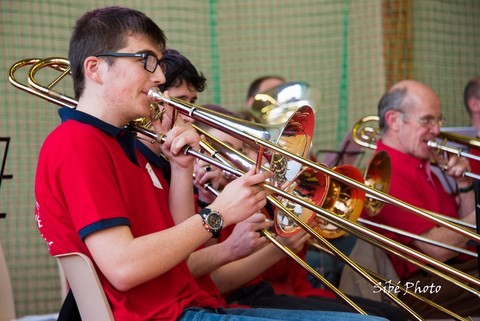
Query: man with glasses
[[97, 195], [410, 116]]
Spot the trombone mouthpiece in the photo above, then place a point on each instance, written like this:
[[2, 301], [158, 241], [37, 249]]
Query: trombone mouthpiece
[[432, 144], [154, 95]]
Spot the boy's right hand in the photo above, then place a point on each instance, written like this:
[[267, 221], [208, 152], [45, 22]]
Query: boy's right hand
[[245, 238]]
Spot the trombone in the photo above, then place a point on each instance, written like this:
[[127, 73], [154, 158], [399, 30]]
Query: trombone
[[204, 116], [216, 120], [234, 156], [197, 113], [367, 135], [301, 140]]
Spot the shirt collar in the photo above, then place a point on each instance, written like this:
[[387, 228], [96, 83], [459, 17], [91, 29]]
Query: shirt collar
[[153, 158], [124, 136], [406, 160], [158, 161]]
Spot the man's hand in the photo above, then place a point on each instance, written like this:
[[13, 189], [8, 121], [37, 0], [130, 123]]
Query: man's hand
[[245, 238], [178, 134], [242, 197]]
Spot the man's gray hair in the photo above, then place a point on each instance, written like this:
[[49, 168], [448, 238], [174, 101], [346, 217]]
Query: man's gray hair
[[391, 100]]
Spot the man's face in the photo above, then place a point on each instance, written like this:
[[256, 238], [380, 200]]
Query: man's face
[[126, 82], [264, 86], [418, 124], [186, 93]]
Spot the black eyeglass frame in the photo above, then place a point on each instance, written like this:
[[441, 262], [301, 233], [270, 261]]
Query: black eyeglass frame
[[143, 55]]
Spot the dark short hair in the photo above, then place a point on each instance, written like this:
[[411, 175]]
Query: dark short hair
[[255, 85], [472, 89], [106, 29], [391, 100], [179, 70]]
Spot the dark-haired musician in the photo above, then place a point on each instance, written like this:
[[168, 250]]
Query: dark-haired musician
[[268, 278], [97, 195]]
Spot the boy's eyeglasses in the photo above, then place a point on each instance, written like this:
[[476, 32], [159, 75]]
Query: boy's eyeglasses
[[150, 62]]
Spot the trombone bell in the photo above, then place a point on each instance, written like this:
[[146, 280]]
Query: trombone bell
[[294, 136], [311, 186], [377, 176], [343, 200]]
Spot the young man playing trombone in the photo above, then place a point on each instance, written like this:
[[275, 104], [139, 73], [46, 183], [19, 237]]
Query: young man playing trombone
[[268, 277], [240, 255], [97, 195]]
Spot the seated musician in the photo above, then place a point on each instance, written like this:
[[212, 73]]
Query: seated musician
[[410, 115], [105, 202], [268, 277], [184, 81], [471, 98]]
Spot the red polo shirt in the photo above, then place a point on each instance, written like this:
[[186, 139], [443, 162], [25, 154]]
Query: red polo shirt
[[90, 177], [412, 182], [474, 164]]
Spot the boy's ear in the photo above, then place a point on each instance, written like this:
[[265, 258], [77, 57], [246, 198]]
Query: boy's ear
[[92, 69]]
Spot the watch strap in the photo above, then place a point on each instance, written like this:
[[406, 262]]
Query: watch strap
[[204, 213]]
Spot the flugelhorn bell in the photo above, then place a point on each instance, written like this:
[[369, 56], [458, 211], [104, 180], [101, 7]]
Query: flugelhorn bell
[[276, 105]]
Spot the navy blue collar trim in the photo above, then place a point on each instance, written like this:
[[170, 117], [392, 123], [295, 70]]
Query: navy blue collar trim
[[150, 155], [125, 137], [156, 160]]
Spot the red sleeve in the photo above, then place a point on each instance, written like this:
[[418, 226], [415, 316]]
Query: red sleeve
[[474, 164]]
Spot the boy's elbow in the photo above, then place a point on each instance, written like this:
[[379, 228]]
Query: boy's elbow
[[123, 279]]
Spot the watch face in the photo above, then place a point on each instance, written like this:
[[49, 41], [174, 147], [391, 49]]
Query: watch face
[[215, 221]]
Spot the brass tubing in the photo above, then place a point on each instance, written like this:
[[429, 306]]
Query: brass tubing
[[319, 238], [401, 287], [57, 98], [201, 114]]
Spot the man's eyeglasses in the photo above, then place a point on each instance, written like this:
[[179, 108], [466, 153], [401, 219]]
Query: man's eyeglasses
[[430, 122], [427, 121], [150, 62]]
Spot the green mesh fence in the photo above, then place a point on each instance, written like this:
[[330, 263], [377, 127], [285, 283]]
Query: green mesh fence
[[348, 51]]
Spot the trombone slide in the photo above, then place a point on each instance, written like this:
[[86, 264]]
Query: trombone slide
[[417, 237]]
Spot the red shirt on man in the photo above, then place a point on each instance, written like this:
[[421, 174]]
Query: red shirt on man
[[90, 177], [412, 182]]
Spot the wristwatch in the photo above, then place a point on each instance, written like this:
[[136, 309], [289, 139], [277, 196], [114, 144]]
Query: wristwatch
[[212, 221]]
